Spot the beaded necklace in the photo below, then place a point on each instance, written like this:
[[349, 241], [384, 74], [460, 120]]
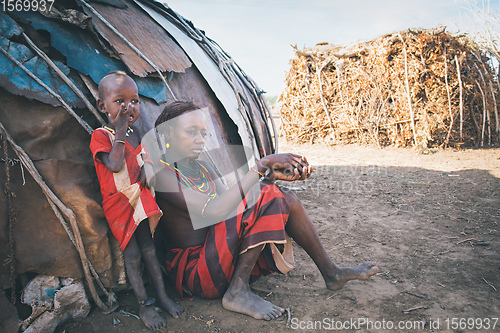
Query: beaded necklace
[[197, 178], [129, 130]]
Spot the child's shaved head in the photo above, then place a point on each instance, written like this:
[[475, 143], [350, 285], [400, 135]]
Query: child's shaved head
[[114, 77]]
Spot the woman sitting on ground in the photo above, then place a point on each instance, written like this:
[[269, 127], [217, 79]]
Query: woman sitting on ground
[[238, 241]]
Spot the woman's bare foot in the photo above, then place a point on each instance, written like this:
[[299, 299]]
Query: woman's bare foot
[[245, 301], [171, 307], [344, 274], [151, 318]]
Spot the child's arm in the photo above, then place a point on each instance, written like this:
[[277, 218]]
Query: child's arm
[[114, 159], [148, 178]]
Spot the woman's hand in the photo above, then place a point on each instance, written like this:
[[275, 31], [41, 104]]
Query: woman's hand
[[288, 167]]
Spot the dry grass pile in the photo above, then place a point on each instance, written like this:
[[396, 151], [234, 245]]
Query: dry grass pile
[[420, 88]]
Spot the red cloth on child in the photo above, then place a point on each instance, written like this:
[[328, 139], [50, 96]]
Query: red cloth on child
[[125, 202]]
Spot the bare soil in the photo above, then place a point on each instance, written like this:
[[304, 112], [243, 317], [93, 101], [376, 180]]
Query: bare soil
[[430, 221]]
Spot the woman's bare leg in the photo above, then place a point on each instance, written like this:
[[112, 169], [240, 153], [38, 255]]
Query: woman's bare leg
[[239, 297]]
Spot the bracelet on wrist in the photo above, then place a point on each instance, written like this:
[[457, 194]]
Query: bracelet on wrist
[[120, 141], [258, 172]]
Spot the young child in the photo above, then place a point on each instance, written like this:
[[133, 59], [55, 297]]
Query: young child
[[129, 205]]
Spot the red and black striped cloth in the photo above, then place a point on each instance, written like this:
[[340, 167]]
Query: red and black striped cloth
[[206, 270]]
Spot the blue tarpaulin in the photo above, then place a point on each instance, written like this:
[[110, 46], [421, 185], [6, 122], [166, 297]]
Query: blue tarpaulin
[[8, 28], [87, 56], [16, 81]]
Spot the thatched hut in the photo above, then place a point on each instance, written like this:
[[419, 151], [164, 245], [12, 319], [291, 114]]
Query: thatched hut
[[51, 61], [420, 88]]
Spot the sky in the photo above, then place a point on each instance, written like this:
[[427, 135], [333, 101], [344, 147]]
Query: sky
[[258, 34]]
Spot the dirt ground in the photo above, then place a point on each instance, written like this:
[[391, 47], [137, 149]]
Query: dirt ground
[[430, 221]]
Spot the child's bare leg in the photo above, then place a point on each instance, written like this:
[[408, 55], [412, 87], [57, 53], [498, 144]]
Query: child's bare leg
[[301, 229], [132, 259], [239, 297], [145, 242]]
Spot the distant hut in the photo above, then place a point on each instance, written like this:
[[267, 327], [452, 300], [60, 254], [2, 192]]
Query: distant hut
[[50, 63]]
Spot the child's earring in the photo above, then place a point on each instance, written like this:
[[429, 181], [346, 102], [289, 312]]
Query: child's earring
[[167, 145]]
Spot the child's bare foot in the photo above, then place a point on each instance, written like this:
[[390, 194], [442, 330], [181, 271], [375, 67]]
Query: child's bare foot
[[246, 302], [361, 272], [151, 318], [173, 308]]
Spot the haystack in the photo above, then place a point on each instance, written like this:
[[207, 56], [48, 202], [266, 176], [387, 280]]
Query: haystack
[[418, 88]]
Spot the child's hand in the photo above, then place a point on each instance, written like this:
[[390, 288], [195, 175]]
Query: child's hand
[[122, 119]]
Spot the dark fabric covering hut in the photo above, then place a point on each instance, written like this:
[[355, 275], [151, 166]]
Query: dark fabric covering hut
[[51, 218]]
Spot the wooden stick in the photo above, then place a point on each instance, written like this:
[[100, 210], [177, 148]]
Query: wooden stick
[[416, 295], [408, 93], [484, 114], [397, 122], [333, 295], [35, 314], [445, 143], [340, 90], [461, 97], [497, 121], [413, 309], [467, 240], [487, 110], [489, 284], [323, 101], [489, 125], [478, 130], [498, 83], [261, 289]]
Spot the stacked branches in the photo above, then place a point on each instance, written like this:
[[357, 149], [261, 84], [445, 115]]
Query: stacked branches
[[420, 88]]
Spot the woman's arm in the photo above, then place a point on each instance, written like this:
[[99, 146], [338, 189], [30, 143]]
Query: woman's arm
[[285, 166]]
